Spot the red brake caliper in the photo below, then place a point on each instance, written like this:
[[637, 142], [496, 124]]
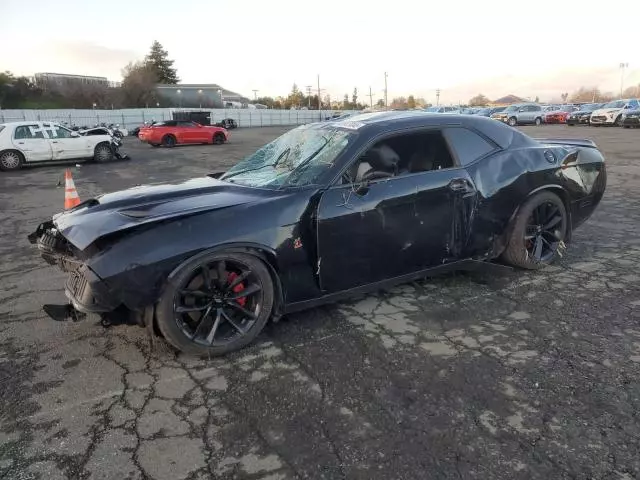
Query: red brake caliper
[[231, 276]]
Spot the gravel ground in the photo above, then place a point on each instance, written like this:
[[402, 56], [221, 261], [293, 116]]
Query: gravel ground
[[517, 375]]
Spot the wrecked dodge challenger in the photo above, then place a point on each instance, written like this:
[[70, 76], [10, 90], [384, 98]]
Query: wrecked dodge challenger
[[324, 211]]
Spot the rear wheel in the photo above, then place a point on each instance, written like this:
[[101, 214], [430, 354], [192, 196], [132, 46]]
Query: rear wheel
[[102, 153], [538, 121], [11, 160], [538, 232], [512, 121], [169, 141], [215, 304], [218, 138]]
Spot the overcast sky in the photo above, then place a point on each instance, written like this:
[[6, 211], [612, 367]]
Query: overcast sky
[[538, 48]]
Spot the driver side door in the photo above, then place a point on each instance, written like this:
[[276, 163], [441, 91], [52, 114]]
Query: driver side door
[[373, 231]]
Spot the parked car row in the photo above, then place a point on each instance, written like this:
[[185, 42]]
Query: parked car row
[[623, 113]]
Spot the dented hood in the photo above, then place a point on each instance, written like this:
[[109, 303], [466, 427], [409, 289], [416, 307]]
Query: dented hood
[[125, 209]]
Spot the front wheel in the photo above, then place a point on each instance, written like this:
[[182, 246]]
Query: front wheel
[[618, 122], [216, 303], [512, 121], [538, 121], [538, 232], [218, 138], [102, 153]]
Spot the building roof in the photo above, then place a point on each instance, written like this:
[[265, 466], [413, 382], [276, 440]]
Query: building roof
[[69, 75], [510, 99]]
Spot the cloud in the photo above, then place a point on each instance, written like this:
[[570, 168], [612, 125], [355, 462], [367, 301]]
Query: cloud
[[82, 58]]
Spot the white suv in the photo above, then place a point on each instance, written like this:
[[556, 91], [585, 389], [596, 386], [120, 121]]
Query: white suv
[[611, 113], [34, 142]]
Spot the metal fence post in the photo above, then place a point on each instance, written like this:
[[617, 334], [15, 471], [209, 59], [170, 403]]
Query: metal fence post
[[261, 119], [250, 118]]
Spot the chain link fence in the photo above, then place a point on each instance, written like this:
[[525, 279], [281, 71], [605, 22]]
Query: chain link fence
[[134, 117]]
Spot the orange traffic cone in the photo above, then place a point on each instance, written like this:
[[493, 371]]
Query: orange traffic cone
[[71, 197]]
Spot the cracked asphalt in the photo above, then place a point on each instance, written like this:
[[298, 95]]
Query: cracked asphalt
[[517, 375]]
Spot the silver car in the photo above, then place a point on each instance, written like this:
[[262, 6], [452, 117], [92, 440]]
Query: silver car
[[520, 114]]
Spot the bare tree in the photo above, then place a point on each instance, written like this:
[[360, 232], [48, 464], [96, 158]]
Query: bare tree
[[138, 85]]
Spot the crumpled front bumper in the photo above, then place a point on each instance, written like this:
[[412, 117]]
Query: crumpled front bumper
[[85, 290]]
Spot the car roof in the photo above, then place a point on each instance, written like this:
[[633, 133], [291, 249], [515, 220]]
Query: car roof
[[378, 122]]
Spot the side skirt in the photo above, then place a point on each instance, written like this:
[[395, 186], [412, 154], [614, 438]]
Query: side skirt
[[469, 265]]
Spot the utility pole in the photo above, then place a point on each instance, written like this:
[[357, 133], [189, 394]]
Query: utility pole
[[370, 97], [386, 103], [255, 94], [622, 67], [308, 87], [437, 97]]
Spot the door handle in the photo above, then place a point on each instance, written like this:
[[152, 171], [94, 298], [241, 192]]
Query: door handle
[[461, 185]]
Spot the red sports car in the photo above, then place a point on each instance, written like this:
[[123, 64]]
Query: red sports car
[[557, 116], [174, 132]]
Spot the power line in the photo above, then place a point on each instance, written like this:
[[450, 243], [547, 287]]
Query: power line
[[308, 87], [370, 97]]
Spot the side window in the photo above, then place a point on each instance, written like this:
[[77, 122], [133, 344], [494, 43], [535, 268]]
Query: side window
[[467, 145], [27, 132], [60, 132], [401, 155], [535, 108]]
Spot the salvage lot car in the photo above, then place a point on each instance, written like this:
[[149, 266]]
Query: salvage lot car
[[34, 142], [583, 114], [326, 210], [631, 119], [611, 113], [176, 132]]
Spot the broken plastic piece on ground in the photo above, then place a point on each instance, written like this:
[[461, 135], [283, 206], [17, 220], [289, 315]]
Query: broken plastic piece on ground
[[61, 313]]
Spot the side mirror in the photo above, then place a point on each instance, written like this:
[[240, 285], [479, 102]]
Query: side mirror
[[75, 134]]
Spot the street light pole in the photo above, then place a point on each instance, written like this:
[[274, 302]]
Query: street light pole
[[308, 87], [622, 67], [437, 97], [386, 102], [255, 94]]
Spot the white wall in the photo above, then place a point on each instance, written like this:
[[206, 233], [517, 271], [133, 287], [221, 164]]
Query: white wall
[[133, 117]]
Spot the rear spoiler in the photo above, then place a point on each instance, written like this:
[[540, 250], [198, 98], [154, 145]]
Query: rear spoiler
[[575, 142]]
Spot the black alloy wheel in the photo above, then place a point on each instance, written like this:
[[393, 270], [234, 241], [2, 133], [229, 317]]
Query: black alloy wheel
[[539, 231], [218, 138], [543, 235], [216, 304], [168, 141]]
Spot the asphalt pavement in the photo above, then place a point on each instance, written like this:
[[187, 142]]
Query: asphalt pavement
[[518, 375]]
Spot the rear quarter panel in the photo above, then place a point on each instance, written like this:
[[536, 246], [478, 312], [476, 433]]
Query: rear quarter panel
[[506, 180]]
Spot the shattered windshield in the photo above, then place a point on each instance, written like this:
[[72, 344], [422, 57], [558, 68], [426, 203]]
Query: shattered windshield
[[299, 157]]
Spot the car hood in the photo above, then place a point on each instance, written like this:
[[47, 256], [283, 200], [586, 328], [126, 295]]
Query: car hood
[[145, 204], [582, 112], [605, 111]]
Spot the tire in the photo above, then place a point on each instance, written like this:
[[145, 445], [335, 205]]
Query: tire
[[618, 122], [625, 126], [513, 121], [218, 138], [155, 145], [102, 153], [11, 160], [538, 121], [182, 330], [169, 141], [571, 124], [522, 248]]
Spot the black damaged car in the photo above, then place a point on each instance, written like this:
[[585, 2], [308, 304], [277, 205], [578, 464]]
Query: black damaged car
[[325, 211], [582, 116]]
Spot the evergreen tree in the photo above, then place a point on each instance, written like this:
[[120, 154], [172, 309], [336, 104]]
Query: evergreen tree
[[158, 61]]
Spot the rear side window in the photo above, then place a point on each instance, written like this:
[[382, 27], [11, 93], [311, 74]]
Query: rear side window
[[28, 131], [467, 145], [1, 127]]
